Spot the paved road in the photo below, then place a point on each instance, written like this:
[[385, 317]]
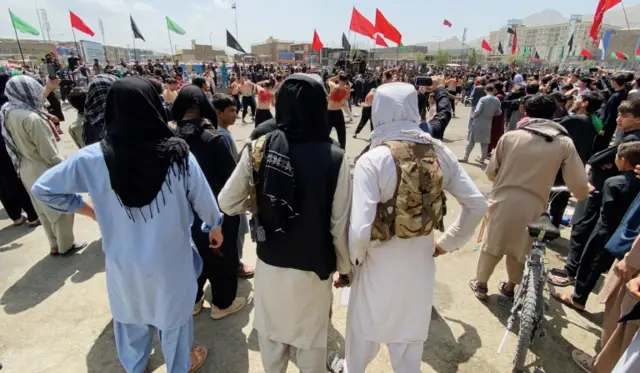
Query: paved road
[[54, 313]]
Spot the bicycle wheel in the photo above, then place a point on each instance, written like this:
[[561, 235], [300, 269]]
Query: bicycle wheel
[[527, 318]]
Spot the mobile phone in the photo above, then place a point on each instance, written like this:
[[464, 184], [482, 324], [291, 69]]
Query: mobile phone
[[424, 81], [51, 71]]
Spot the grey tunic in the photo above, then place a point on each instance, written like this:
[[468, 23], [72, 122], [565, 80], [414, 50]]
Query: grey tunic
[[487, 108]]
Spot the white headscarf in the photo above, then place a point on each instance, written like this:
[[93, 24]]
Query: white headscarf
[[395, 115]]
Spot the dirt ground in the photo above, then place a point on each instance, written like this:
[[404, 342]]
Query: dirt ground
[[55, 314]]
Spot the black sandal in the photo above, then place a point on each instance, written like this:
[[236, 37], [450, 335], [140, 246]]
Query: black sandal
[[481, 292], [501, 286]]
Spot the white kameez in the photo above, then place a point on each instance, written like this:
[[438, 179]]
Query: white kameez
[[292, 306], [392, 291]]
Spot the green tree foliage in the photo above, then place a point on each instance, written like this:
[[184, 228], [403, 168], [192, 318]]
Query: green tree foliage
[[442, 57]]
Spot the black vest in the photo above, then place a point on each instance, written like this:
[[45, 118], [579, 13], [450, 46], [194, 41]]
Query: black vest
[[307, 243]]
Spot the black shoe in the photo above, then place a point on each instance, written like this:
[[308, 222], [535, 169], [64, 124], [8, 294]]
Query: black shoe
[[75, 248]]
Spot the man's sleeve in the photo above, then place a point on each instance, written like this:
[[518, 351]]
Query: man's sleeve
[[443, 113]]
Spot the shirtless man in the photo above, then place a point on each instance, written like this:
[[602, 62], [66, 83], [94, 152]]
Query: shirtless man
[[171, 91], [338, 93], [266, 98], [248, 101], [451, 88], [234, 88]]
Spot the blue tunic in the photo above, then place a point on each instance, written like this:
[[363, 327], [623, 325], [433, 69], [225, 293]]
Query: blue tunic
[[151, 266]]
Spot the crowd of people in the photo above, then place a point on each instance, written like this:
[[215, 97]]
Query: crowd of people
[[174, 198]]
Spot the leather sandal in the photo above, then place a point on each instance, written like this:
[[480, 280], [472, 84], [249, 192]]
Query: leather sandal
[[198, 357]]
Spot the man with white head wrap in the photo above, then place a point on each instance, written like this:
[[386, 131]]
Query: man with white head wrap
[[393, 286]]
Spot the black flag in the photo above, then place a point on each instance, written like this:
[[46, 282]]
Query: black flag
[[136, 31], [510, 30], [500, 48], [571, 43], [233, 43], [345, 42], [537, 56]]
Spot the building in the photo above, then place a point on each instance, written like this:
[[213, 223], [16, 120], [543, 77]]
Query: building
[[624, 41], [458, 56], [304, 53], [199, 52], [33, 50], [549, 41], [270, 49], [407, 52]]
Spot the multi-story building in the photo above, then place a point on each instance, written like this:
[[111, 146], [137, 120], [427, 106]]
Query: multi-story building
[[304, 53], [199, 52], [33, 50], [270, 49], [406, 53], [549, 41]]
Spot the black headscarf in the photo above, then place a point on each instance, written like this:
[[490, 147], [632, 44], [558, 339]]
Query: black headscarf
[[188, 97], [301, 114], [4, 78], [139, 149]]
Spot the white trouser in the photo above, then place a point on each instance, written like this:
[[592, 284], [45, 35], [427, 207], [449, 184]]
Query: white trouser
[[630, 361], [275, 357], [405, 357]]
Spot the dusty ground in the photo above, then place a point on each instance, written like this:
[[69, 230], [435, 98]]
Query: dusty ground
[[55, 315]]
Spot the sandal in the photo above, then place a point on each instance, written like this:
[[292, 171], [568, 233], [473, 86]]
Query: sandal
[[481, 292], [508, 294], [245, 271], [54, 251], [34, 224], [568, 301], [198, 357], [583, 360], [559, 277], [19, 222]]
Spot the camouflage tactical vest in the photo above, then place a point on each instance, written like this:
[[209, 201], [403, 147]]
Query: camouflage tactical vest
[[418, 205]]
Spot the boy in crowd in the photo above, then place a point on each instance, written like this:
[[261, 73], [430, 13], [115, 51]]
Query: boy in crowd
[[225, 106], [76, 98], [618, 193]]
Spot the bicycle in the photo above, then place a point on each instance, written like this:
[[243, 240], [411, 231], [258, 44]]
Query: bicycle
[[529, 303]]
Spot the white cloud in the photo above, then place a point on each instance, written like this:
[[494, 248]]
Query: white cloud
[[138, 5], [223, 3], [116, 6]]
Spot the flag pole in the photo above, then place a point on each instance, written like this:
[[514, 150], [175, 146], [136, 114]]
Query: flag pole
[[135, 55], [170, 43], [76, 43], [17, 39]]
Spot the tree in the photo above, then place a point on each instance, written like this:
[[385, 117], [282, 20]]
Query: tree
[[473, 57], [442, 57], [589, 63], [419, 57]]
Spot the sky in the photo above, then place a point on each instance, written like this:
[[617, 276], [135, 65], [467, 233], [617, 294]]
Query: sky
[[206, 20]]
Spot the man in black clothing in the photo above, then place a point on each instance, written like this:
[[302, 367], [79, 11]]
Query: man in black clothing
[[580, 128], [618, 193], [442, 118], [611, 111], [72, 62], [601, 167]]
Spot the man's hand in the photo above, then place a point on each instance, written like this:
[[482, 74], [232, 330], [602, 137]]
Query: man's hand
[[438, 251], [215, 241], [633, 287], [623, 271], [342, 282], [591, 188], [637, 171]]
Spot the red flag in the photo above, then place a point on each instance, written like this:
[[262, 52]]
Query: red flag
[[447, 23], [622, 56], [586, 53], [602, 8], [361, 25], [380, 41], [78, 24], [316, 44], [514, 44], [486, 46], [387, 29]]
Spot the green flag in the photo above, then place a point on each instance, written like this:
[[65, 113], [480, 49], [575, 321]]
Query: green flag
[[638, 57], [22, 26], [562, 52], [172, 26], [613, 55], [400, 47], [573, 54], [527, 51]]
